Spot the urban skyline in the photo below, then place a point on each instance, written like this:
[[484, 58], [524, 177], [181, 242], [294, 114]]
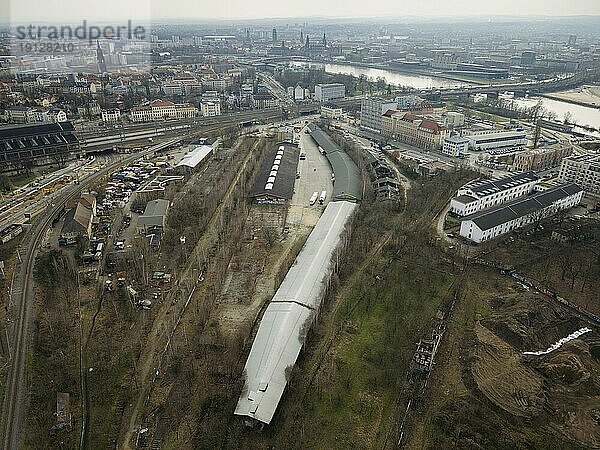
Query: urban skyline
[[265, 9]]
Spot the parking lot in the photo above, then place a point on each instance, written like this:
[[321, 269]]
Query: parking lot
[[315, 176]]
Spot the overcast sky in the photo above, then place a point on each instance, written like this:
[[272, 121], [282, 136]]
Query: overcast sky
[[106, 10]]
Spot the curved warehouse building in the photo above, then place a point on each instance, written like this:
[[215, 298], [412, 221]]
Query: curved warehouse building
[[284, 324], [347, 184], [291, 311]]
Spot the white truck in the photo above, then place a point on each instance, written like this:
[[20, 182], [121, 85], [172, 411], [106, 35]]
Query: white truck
[[313, 198], [322, 197]]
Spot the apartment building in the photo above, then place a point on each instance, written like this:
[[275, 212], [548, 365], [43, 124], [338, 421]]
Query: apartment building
[[327, 92], [482, 194], [218, 83], [163, 110], [372, 110], [111, 115], [264, 100], [541, 158], [210, 108], [412, 129], [28, 114], [21, 114], [298, 93], [504, 218], [583, 170]]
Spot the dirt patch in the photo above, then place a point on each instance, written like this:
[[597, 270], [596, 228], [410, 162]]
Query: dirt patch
[[503, 379], [484, 383], [561, 388]]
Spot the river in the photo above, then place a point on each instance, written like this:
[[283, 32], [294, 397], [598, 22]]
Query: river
[[391, 77], [582, 115]]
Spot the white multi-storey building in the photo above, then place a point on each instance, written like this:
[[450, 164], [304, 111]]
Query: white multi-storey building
[[21, 114], [496, 139], [455, 146], [163, 110], [210, 108], [502, 219], [111, 115], [27, 114], [482, 194], [371, 110], [327, 92], [218, 83], [298, 92], [453, 119], [331, 111], [583, 170]]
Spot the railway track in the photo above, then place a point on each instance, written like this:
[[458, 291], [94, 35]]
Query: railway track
[[13, 389], [24, 297]]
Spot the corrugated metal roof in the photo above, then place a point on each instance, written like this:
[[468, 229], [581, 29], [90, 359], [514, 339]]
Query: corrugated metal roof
[[275, 348], [154, 214], [286, 319], [283, 160], [303, 282], [347, 185], [487, 187]]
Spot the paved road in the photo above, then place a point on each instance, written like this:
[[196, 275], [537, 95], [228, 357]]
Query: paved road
[[315, 176]]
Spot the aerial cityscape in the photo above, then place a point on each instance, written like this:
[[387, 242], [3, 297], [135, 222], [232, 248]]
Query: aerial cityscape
[[300, 225]]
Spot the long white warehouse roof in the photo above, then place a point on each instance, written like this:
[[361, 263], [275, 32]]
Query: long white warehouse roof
[[281, 332], [304, 281], [195, 157]]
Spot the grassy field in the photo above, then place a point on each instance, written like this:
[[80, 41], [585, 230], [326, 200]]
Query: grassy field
[[353, 395]]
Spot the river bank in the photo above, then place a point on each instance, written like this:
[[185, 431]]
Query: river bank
[[587, 96]]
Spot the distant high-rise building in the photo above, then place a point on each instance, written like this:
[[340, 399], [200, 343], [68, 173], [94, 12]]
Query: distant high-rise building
[[301, 36], [327, 92], [274, 35], [572, 40], [324, 40], [100, 59], [528, 58]]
